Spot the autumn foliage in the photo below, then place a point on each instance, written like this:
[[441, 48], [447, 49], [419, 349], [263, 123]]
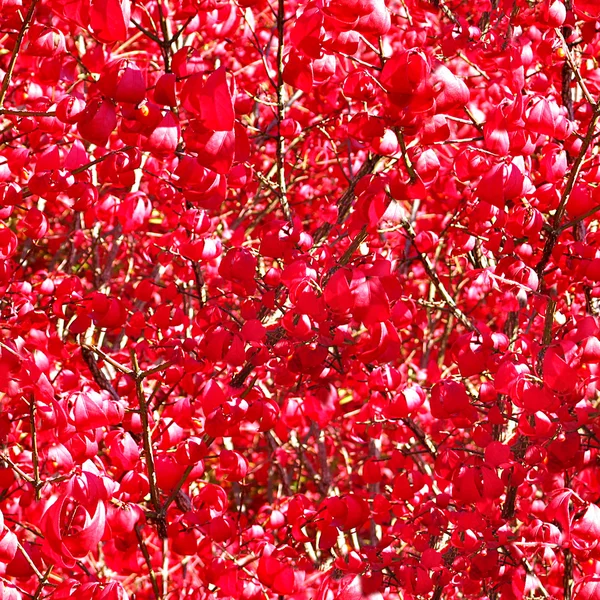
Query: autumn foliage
[[299, 299]]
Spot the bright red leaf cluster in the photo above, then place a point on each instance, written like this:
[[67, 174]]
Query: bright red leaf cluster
[[299, 299]]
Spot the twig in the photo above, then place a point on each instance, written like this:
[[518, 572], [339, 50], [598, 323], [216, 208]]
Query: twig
[[146, 555], [530, 571], [281, 114], [285, 478], [562, 207], [10, 112], [323, 463], [17, 469], [429, 269], [409, 166], [344, 204], [181, 30], [99, 377], [26, 193], [106, 274], [15, 53], [425, 441], [43, 580], [165, 567], [444, 8], [30, 562], [34, 449], [101, 159], [160, 367], [117, 365], [510, 501], [437, 592], [472, 64], [578, 219], [176, 489], [508, 509], [161, 525], [354, 245], [568, 575], [165, 44], [570, 69], [147, 32]]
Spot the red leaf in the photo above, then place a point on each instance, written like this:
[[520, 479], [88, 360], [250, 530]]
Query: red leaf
[[449, 91], [298, 72], [337, 293], [165, 138], [382, 345], [308, 33], [276, 574], [211, 101], [8, 243], [371, 303], [212, 397], [164, 90], [97, 121], [588, 525], [547, 118], [405, 71], [558, 509], [587, 588], [8, 546], [122, 81], [558, 375], [449, 398], [109, 19]]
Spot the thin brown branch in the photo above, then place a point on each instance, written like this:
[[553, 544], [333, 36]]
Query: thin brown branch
[[148, 451], [161, 367], [26, 193], [281, 181], [15, 53], [10, 112], [562, 207], [29, 560], [326, 478], [530, 571], [43, 581], [407, 163], [578, 219], [178, 33], [176, 489], [285, 478], [346, 200], [425, 441], [571, 69], [148, 560], [165, 44], [568, 575], [433, 276], [99, 377], [361, 236], [165, 567], [34, 449], [17, 469], [441, 4], [117, 365], [106, 273], [147, 32]]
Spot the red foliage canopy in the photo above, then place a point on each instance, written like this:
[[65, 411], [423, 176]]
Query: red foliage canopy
[[299, 300]]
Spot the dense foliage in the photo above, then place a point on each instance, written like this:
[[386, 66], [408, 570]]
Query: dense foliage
[[299, 299]]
